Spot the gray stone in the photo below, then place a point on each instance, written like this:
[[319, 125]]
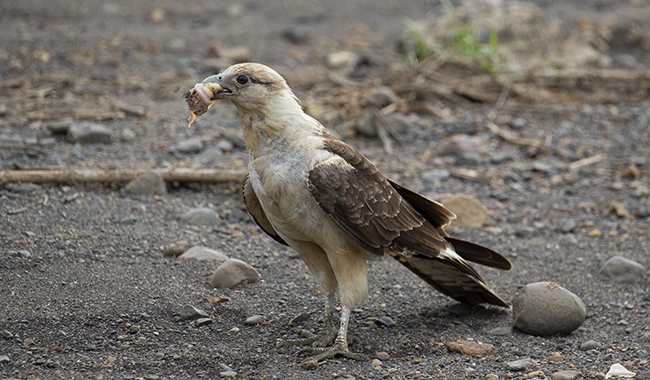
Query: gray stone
[[568, 226], [6, 334], [500, 331], [233, 273], [386, 321], [60, 127], [25, 254], [175, 249], [341, 59], [381, 97], [255, 320], [193, 145], [521, 364], [566, 375], [127, 135], [469, 159], [645, 375], [589, 345], [526, 231], [519, 123], [25, 187], [150, 183], [200, 253], [625, 60], [89, 133], [621, 269], [200, 217], [203, 322], [546, 308], [366, 126], [189, 312], [435, 175], [4, 359]]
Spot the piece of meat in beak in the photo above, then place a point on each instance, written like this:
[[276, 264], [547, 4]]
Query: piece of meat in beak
[[200, 98]]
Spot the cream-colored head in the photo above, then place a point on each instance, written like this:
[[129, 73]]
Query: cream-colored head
[[254, 88]]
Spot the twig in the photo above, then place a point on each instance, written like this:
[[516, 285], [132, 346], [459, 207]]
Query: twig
[[586, 161], [512, 138], [468, 174], [501, 101], [98, 175]]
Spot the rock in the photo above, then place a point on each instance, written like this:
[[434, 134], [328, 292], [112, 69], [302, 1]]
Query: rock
[[466, 347], [617, 370], [189, 312], [382, 355], [621, 269], [566, 375], [435, 175], [469, 159], [341, 59], [296, 35], [203, 322], [89, 133], [469, 210], [618, 209], [25, 187], [645, 338], [458, 144], [6, 334], [546, 308], [4, 359], [568, 226], [233, 273], [189, 146], [200, 253], [176, 249], [200, 217], [519, 124], [60, 127], [381, 97], [228, 374], [500, 331], [24, 254], [526, 232], [129, 220], [127, 135], [386, 321], [147, 184], [157, 15], [589, 345], [625, 60], [376, 363], [366, 126], [255, 320], [521, 364], [556, 357], [645, 375]]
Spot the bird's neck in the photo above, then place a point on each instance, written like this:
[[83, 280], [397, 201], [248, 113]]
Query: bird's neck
[[278, 124]]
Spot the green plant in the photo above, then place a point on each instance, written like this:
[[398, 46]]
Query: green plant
[[461, 41]]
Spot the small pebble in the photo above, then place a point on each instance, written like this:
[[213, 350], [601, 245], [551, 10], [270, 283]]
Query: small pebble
[[6, 334], [233, 273], [386, 321], [566, 375], [4, 359], [622, 269], [200, 217], [589, 345], [382, 355], [255, 320], [189, 312], [203, 322], [25, 254], [521, 364], [376, 362]]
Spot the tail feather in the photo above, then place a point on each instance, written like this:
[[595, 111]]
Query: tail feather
[[449, 280], [479, 254]]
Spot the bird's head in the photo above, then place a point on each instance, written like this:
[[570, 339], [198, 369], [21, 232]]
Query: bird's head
[[250, 86]]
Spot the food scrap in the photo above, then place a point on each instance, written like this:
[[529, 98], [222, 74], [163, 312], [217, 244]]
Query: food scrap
[[199, 99]]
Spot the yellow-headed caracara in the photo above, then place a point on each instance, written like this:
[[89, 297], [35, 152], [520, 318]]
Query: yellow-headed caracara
[[323, 198]]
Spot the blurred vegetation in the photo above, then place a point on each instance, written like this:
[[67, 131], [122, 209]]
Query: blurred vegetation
[[461, 41]]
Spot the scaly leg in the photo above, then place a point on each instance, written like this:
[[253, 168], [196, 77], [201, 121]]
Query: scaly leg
[[340, 346]]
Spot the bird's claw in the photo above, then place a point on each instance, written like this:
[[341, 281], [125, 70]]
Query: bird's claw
[[323, 353], [322, 339]]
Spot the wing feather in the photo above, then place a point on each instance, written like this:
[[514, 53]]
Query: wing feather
[[255, 209]]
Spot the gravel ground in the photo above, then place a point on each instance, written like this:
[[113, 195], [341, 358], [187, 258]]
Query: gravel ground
[[86, 291]]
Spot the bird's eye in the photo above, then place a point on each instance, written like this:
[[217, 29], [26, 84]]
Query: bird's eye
[[242, 79]]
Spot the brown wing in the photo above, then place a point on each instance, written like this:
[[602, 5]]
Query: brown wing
[[255, 209], [360, 200]]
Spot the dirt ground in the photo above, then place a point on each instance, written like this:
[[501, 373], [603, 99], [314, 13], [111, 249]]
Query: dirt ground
[[85, 291]]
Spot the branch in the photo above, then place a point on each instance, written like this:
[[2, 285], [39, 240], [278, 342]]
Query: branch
[[98, 175]]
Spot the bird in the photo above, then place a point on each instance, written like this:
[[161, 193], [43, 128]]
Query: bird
[[313, 192]]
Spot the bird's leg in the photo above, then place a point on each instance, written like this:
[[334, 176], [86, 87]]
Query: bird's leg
[[340, 346], [325, 337]]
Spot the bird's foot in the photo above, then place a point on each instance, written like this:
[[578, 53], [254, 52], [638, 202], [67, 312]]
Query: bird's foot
[[323, 353], [323, 339]]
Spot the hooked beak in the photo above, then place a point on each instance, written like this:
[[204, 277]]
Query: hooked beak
[[216, 88]]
